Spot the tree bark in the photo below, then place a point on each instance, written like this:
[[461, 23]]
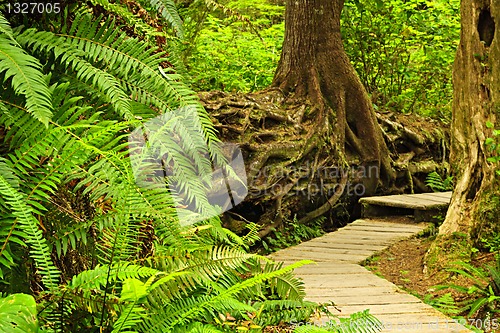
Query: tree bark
[[474, 208], [314, 66], [313, 138]]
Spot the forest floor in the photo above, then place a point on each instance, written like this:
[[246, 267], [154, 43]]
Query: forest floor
[[403, 264]]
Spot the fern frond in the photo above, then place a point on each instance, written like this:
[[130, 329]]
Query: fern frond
[[19, 124], [437, 184], [194, 307], [73, 59], [274, 312], [26, 74], [39, 249], [169, 13], [130, 317], [198, 327], [360, 322], [132, 20], [285, 286], [214, 4]]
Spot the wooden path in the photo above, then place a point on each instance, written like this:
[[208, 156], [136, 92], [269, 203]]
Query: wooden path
[[338, 277], [422, 206]]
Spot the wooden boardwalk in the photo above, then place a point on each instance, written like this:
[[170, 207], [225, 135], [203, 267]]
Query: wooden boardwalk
[[422, 206], [338, 277]]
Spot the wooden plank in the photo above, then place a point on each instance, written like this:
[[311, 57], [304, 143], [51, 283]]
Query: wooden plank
[[317, 256], [377, 228], [348, 281], [330, 268], [337, 278], [422, 204], [372, 235], [366, 240], [359, 230], [380, 223], [413, 201], [441, 195], [409, 319], [345, 246], [437, 198], [398, 308], [410, 323], [403, 202], [366, 300], [371, 226], [331, 293], [333, 251], [420, 323], [360, 233], [386, 227], [444, 195], [410, 327], [401, 221]]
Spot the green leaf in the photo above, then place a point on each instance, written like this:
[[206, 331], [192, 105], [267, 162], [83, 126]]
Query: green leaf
[[18, 314], [133, 290]]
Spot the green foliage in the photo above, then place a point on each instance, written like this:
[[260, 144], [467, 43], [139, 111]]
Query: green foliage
[[99, 251], [492, 244], [66, 120], [485, 288], [169, 13], [164, 9], [404, 62], [293, 233], [444, 303], [358, 322], [25, 73], [437, 183], [18, 314], [226, 53], [493, 146]]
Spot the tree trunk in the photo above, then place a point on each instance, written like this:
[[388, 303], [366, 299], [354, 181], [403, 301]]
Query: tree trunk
[[314, 66], [474, 208], [312, 139]]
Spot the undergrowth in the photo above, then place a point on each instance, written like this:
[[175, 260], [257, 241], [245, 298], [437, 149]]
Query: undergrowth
[[404, 62]]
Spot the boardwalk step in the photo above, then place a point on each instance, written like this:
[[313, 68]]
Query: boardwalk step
[[337, 277], [423, 206]]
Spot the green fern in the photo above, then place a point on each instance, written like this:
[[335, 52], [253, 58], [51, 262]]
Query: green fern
[[110, 250], [169, 13], [437, 184], [485, 287], [360, 322], [33, 235], [26, 75]]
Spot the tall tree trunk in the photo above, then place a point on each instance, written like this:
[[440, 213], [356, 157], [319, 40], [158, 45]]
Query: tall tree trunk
[[475, 204], [325, 122], [314, 66]]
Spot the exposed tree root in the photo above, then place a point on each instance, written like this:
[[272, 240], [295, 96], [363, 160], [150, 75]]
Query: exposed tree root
[[293, 169]]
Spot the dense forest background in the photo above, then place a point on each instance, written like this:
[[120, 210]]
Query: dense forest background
[[403, 51]]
